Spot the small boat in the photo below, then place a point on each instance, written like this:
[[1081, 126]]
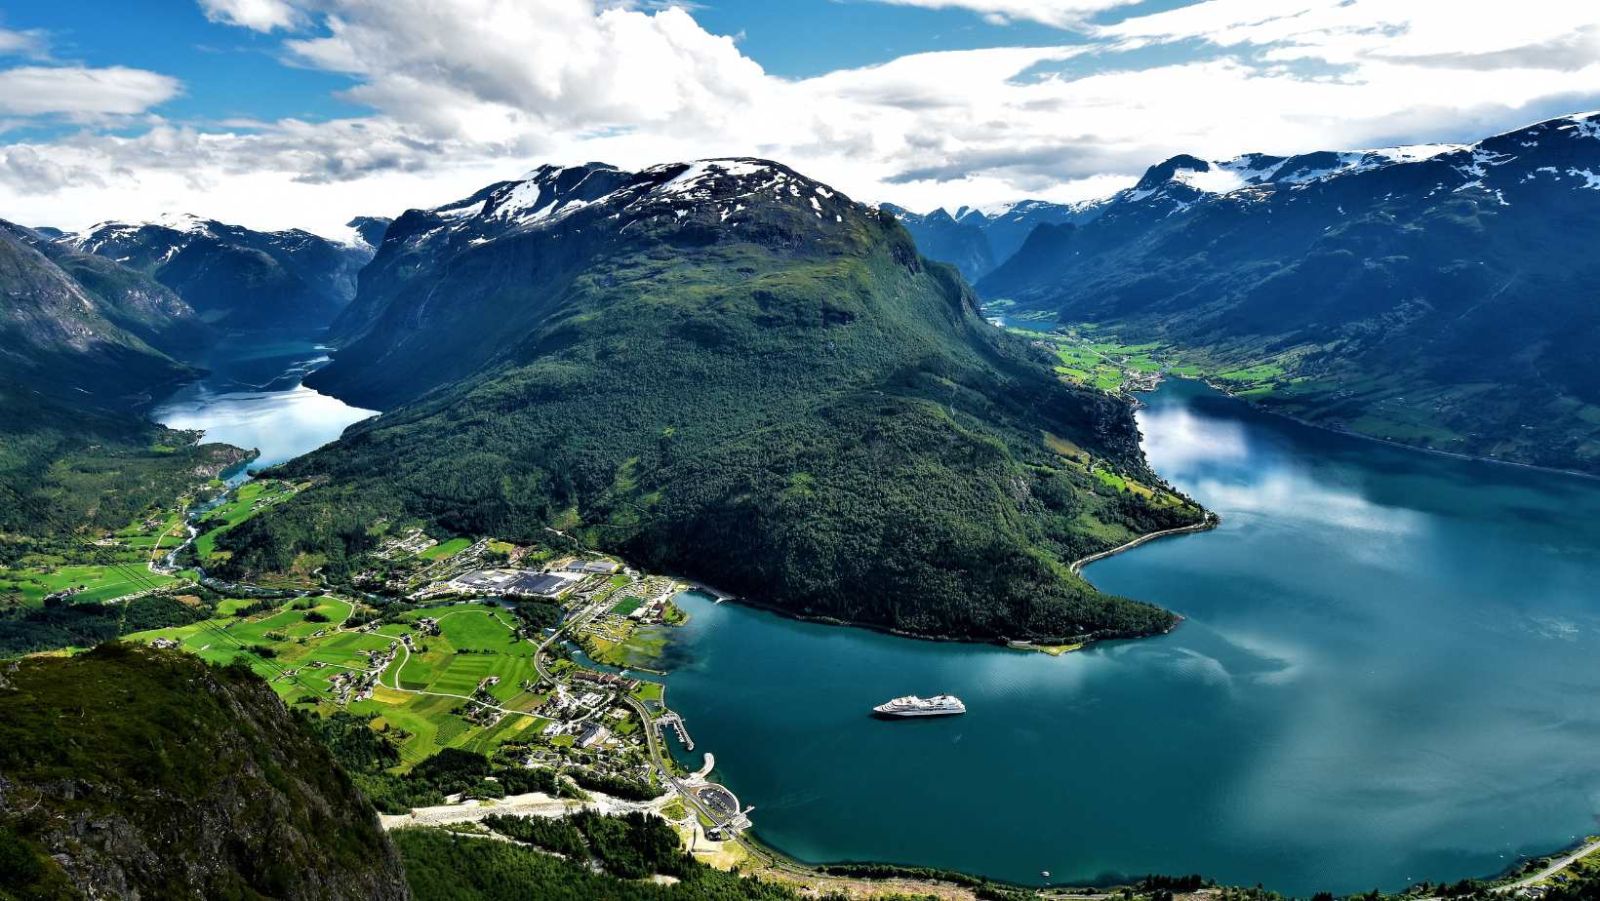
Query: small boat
[[911, 705]]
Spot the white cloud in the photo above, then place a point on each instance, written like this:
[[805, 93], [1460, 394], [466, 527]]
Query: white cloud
[[22, 43], [499, 68], [1353, 31], [483, 88], [79, 92], [1060, 13], [257, 15]]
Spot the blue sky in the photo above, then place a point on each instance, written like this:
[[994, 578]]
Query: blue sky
[[279, 112]]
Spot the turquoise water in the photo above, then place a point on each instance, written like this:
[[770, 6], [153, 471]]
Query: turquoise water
[[1389, 672], [252, 398]]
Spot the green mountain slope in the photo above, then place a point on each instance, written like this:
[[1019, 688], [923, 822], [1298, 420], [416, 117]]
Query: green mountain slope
[[726, 370], [1444, 298], [84, 345], [130, 772]]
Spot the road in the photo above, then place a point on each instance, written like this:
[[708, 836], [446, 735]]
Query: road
[[653, 742], [1556, 866]]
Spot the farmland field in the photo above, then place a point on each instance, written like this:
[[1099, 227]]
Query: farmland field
[[417, 694]]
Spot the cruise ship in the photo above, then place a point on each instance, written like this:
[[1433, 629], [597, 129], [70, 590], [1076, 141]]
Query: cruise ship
[[911, 705]]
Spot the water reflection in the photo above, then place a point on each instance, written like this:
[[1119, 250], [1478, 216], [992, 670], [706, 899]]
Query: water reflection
[[281, 424], [1386, 674], [252, 398]]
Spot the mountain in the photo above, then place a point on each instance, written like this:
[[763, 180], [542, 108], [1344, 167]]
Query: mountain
[[1444, 296], [976, 240], [370, 229], [237, 278], [85, 329], [940, 237], [85, 345], [131, 772], [728, 370]]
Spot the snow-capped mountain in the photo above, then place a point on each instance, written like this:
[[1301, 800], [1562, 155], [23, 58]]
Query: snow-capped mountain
[[1441, 294], [975, 240], [233, 276], [543, 227], [83, 329]]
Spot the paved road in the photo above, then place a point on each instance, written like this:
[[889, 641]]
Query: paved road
[[1556, 866], [652, 741]]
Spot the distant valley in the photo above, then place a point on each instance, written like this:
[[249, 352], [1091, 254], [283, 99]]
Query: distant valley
[[1439, 296]]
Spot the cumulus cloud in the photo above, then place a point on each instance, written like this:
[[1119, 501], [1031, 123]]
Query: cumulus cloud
[[494, 86], [79, 92], [497, 68], [257, 15]]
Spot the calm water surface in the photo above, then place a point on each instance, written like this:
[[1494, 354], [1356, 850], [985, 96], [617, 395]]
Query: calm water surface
[[1390, 671], [253, 398]]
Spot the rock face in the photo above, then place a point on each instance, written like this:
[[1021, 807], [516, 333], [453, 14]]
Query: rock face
[[83, 329], [975, 241], [1440, 295], [135, 773], [234, 277], [726, 369]]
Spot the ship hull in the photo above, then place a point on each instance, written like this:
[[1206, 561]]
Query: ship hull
[[903, 714]]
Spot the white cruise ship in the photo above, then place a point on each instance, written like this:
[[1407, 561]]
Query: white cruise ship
[[911, 705]]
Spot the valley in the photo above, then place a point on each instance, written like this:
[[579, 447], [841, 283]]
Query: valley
[[1425, 295], [465, 594], [419, 671], [842, 450]]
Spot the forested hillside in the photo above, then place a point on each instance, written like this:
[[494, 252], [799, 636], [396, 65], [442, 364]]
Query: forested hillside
[[1443, 296], [130, 772], [726, 370]]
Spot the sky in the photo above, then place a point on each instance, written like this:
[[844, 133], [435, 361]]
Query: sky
[[304, 113]]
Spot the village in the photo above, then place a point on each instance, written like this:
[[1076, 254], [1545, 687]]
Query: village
[[489, 647]]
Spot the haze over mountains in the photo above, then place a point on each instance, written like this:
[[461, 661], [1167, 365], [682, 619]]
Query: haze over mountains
[[977, 240]]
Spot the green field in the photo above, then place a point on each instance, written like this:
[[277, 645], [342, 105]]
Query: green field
[[31, 583], [242, 503], [120, 563], [415, 694], [1097, 361], [446, 549]]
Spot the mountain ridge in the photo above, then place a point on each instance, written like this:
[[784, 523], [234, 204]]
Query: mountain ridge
[[1442, 299], [725, 369], [233, 276]]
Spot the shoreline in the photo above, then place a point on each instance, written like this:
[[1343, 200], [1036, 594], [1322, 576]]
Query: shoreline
[[998, 641], [1351, 433], [1210, 521]]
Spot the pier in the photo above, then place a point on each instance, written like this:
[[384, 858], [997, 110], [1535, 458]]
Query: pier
[[676, 722]]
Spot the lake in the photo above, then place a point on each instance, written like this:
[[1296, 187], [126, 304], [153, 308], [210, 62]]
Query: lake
[[1389, 671], [252, 398]]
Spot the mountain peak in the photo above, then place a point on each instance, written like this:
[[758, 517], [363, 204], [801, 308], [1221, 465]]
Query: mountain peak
[[725, 189], [183, 222], [1162, 173]]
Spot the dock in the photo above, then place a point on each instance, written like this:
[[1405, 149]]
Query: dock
[[676, 722]]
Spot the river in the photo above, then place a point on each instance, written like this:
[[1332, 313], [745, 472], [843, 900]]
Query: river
[[1387, 673], [252, 398]]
